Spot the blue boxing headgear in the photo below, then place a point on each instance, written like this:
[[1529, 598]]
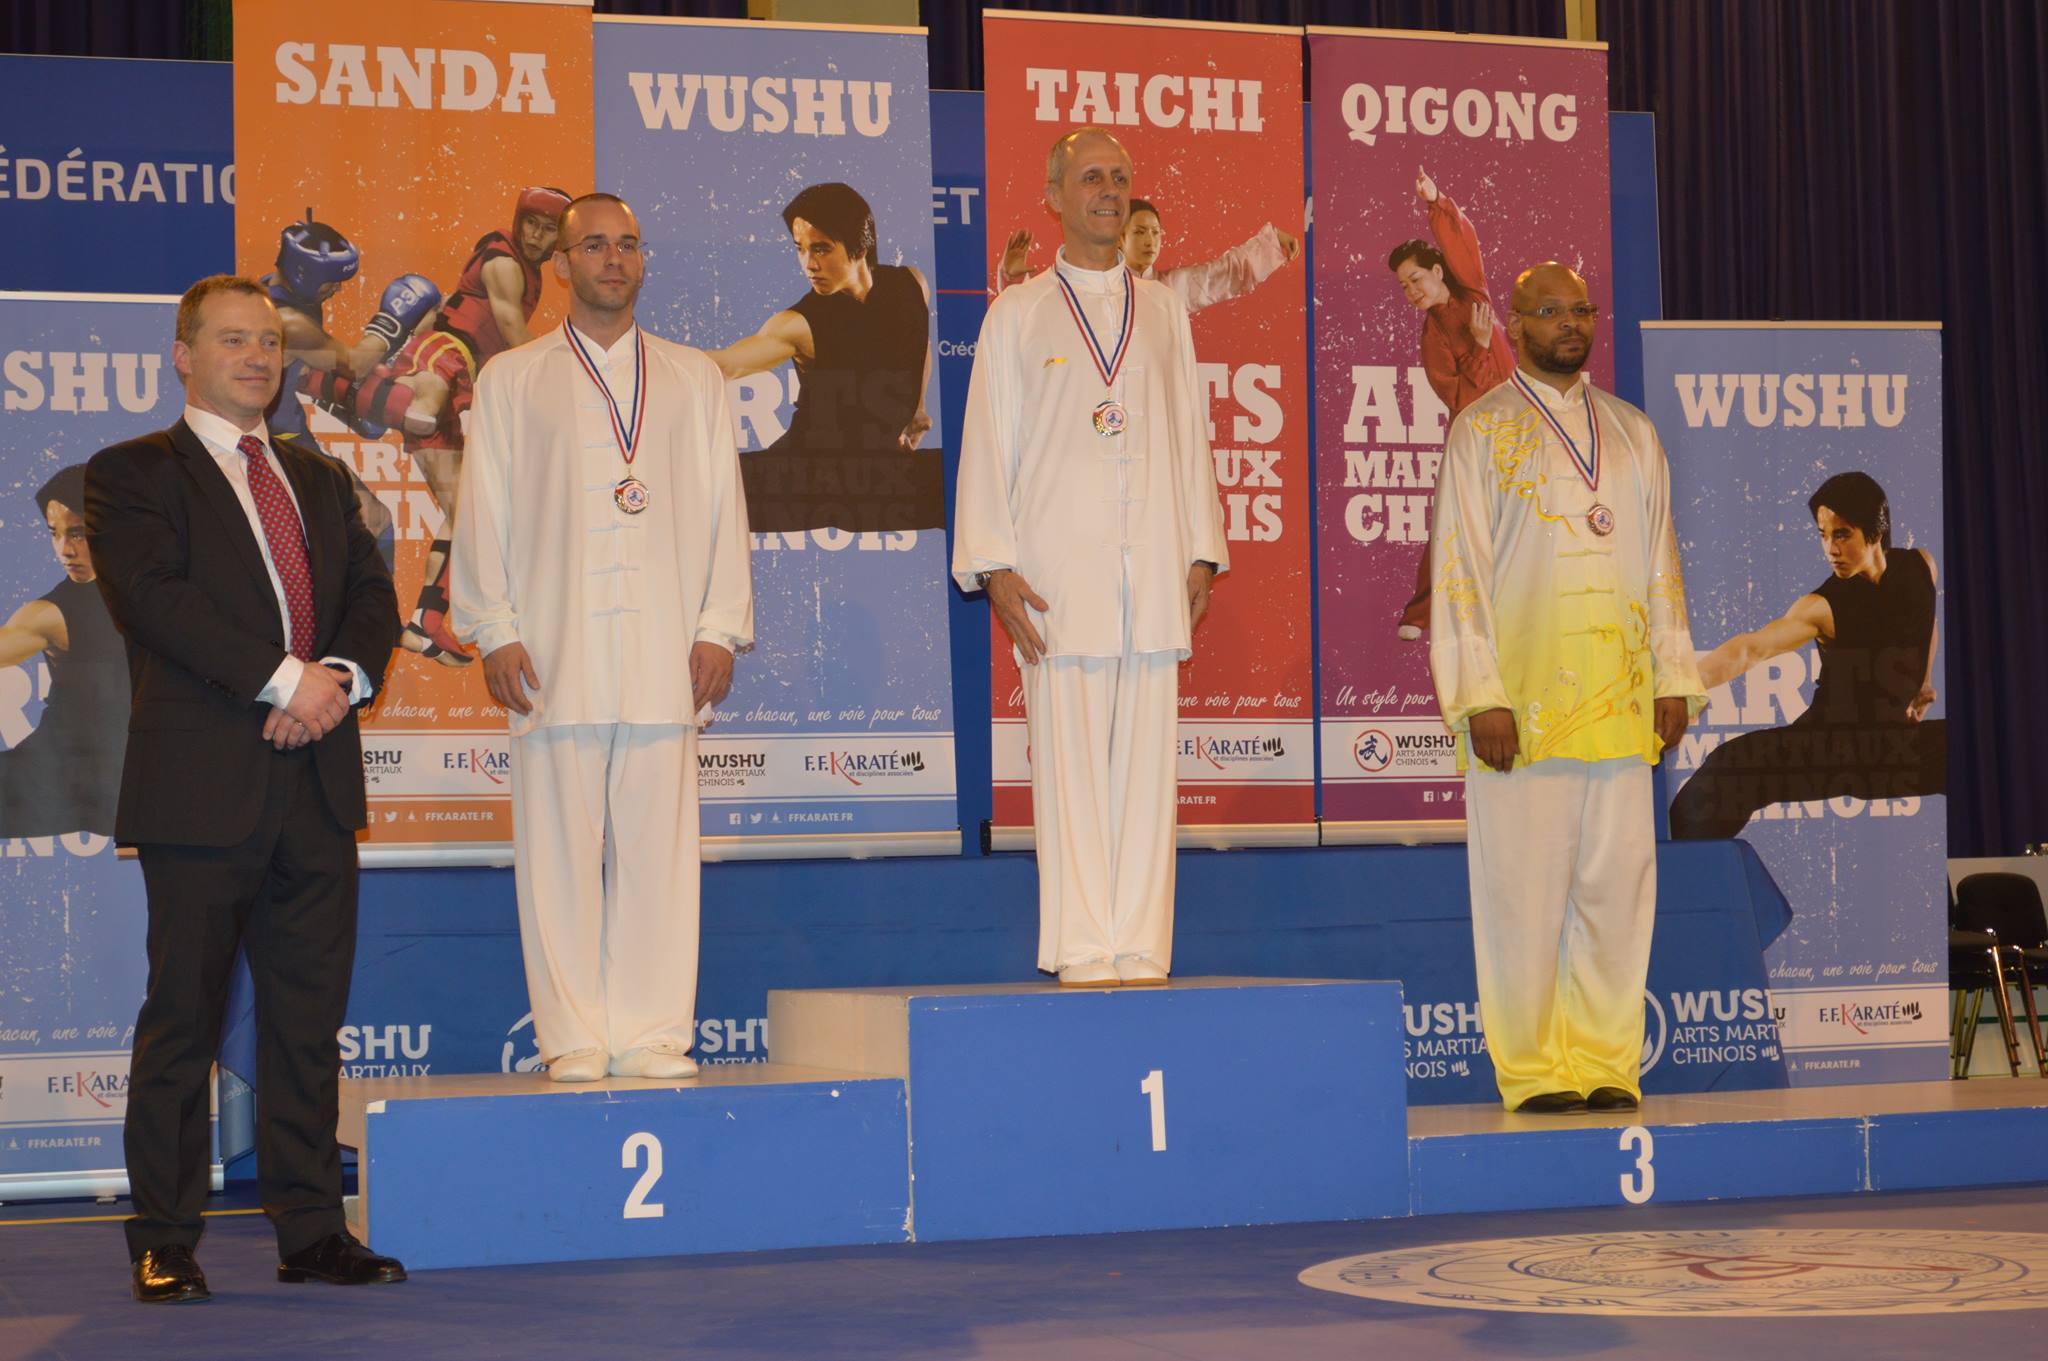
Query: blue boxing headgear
[[312, 256]]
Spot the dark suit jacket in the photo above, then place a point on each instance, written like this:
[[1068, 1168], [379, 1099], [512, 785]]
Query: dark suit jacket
[[184, 579]]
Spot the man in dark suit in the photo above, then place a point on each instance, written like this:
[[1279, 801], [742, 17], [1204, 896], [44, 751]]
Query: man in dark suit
[[257, 614]]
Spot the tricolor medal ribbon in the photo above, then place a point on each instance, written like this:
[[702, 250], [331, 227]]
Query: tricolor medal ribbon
[[631, 494], [1110, 417]]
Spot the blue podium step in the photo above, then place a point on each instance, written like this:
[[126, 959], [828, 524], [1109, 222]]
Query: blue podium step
[[496, 1168], [1211, 1101], [1732, 1146]]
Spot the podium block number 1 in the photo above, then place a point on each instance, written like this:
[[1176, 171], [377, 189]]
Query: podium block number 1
[[1154, 1086], [638, 1206]]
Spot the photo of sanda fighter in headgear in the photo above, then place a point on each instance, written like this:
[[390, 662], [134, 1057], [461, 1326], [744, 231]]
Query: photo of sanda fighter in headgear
[[313, 261], [861, 343], [426, 387], [1865, 734], [66, 775]]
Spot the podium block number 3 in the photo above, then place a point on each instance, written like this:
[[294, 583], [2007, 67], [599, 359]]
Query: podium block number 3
[[1154, 1086], [638, 1206], [1639, 1183]]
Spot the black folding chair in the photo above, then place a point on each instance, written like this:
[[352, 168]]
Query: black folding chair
[[2008, 906]]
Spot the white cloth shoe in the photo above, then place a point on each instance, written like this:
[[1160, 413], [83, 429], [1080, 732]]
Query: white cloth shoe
[[1137, 971], [1093, 973], [585, 1065], [653, 1062]]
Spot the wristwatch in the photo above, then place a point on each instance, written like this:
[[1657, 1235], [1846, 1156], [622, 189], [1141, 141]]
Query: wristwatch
[[982, 579]]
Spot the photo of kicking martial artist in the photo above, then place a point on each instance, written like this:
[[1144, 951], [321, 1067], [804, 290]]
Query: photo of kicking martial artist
[[66, 775], [1232, 274], [426, 387], [1865, 735], [313, 261], [861, 343], [1465, 349]]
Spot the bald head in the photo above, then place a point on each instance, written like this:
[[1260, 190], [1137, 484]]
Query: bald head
[[1088, 187], [1547, 280], [1552, 323], [1075, 143]]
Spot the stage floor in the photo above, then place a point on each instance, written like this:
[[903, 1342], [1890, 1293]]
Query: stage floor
[[1211, 1295]]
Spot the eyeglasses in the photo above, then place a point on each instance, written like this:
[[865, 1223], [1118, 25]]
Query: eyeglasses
[[1551, 311], [594, 248]]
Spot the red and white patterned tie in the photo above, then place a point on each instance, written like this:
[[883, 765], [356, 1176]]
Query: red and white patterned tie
[[287, 539]]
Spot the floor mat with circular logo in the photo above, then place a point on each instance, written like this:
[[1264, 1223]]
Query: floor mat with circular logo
[[1730, 1273]]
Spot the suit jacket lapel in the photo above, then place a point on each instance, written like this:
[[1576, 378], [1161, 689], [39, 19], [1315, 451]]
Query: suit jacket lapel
[[214, 487]]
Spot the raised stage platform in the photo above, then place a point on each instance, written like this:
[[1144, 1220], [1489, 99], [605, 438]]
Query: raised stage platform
[[1017, 1110]]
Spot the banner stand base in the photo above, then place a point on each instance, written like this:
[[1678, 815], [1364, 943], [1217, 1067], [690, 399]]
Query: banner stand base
[[1431, 833]]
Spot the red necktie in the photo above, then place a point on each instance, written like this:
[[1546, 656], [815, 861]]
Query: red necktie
[[287, 541]]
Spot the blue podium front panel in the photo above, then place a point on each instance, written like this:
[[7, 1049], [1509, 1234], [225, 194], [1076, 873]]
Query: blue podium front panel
[[1920, 1150], [1620, 1163], [475, 1171], [1038, 1110]]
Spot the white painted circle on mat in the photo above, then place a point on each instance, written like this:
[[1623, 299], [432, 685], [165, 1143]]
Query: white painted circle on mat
[[1727, 1273]]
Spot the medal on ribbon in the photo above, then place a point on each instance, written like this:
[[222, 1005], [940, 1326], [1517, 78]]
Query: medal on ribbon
[[1599, 519], [631, 495], [1110, 417]]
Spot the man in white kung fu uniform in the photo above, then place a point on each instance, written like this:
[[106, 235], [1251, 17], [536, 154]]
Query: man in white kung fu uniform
[[1088, 512], [1561, 654], [601, 566]]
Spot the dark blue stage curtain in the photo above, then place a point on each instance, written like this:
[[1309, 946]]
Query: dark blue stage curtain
[[1817, 160], [955, 25], [1827, 160]]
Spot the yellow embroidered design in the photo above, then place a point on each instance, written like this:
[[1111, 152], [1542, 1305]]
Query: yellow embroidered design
[[1453, 582], [1668, 585], [1513, 443], [1563, 711]]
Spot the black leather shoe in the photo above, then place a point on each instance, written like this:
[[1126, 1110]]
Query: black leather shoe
[[1552, 1103], [168, 1275], [339, 1259], [1610, 1099]]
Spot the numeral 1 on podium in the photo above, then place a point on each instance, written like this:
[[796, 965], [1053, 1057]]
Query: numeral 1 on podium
[[1154, 1086]]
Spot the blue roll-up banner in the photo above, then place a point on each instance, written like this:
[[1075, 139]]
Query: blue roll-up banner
[[960, 234], [80, 372], [1806, 483], [759, 159], [127, 194]]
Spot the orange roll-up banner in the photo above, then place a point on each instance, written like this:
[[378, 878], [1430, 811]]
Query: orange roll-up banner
[[1211, 115], [397, 161]]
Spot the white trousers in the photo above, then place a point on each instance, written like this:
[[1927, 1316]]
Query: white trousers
[[605, 859], [1103, 801], [1562, 860]]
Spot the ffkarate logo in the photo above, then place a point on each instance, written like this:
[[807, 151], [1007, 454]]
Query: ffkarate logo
[[1863, 1017], [1225, 752], [857, 768], [102, 1089], [495, 766]]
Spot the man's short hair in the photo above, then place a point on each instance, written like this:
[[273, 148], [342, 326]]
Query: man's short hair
[[67, 489], [1063, 151], [1857, 500], [197, 294], [840, 212], [1421, 252], [594, 196], [1144, 205]]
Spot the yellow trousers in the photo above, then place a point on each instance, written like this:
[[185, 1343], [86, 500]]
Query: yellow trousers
[[1562, 860]]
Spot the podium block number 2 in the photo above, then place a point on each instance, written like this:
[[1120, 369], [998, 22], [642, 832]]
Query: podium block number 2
[[1154, 1086], [638, 1206]]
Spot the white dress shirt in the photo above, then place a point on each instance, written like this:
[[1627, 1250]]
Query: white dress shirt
[[222, 437]]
